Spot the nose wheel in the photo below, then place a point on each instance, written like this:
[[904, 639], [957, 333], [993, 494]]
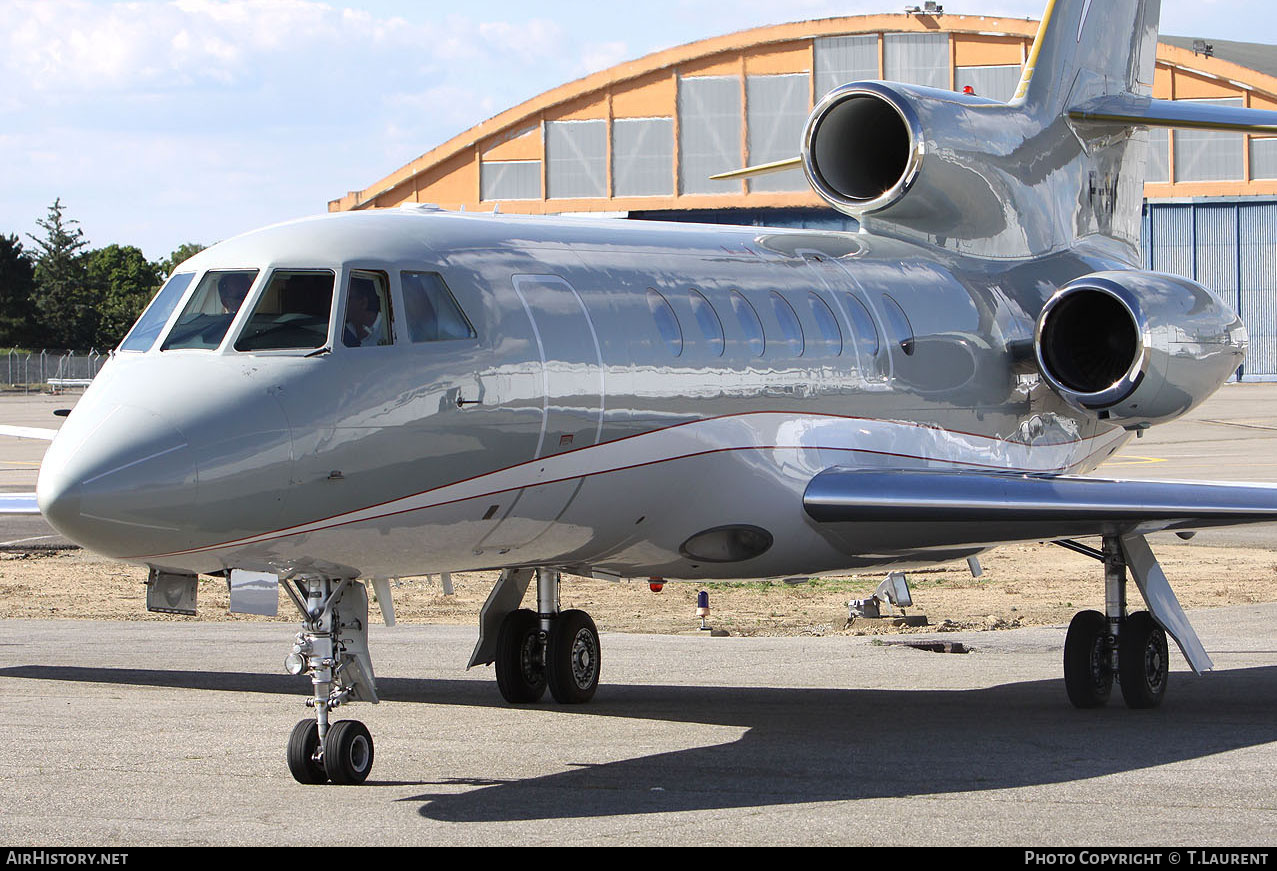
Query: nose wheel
[[332, 648]]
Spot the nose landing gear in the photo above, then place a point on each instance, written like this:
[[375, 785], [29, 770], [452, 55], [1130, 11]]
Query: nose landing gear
[[332, 647]]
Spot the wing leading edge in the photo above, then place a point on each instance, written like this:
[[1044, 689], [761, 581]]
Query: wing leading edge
[[875, 512]]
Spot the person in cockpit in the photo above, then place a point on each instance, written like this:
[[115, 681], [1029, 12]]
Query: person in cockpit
[[232, 288], [363, 315]]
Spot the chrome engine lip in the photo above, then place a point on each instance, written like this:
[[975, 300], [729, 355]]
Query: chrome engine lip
[[1124, 386], [913, 166]]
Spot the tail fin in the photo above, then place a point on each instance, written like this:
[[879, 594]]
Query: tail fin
[[1087, 49]]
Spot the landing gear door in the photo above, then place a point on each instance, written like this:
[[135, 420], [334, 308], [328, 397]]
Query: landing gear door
[[572, 393]]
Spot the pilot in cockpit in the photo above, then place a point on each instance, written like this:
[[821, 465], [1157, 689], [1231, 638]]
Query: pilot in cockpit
[[232, 288], [364, 324]]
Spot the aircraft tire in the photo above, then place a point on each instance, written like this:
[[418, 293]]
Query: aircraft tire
[[572, 658], [302, 744], [348, 752], [1088, 680], [1142, 661], [520, 659]]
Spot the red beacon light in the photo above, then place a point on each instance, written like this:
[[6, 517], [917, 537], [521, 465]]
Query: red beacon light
[[967, 89], [656, 584]]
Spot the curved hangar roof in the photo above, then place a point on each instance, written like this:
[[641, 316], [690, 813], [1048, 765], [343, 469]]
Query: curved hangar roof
[[647, 134]]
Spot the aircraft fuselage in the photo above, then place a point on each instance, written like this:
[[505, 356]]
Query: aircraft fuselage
[[626, 381]]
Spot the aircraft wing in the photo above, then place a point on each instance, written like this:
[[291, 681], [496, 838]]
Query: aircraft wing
[[23, 503], [18, 503], [29, 432], [877, 511]]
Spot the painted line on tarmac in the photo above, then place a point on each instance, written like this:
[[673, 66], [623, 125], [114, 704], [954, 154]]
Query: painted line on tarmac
[[18, 541]]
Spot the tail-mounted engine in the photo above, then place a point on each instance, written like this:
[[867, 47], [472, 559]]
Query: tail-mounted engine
[[1137, 348], [918, 158]]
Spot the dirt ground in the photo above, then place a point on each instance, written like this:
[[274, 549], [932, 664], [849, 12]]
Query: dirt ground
[[1022, 585]]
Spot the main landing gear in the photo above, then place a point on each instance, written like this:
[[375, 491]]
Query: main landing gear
[[533, 651], [1129, 647], [332, 647]]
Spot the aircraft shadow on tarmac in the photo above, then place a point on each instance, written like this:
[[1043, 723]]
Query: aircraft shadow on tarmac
[[812, 745]]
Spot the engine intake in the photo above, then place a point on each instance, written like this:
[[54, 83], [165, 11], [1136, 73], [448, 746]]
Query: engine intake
[[1137, 348], [862, 147]]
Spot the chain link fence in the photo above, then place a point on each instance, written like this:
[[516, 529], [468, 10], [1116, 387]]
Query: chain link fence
[[49, 370]]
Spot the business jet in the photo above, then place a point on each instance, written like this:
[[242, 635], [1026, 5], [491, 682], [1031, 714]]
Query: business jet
[[328, 404]]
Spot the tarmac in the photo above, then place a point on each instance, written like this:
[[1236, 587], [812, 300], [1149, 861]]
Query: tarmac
[[131, 734]]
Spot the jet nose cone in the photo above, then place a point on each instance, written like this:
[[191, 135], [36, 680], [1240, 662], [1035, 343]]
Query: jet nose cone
[[123, 484]]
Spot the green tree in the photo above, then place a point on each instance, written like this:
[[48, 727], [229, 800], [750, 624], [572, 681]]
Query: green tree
[[17, 282], [64, 303], [184, 252], [123, 282]]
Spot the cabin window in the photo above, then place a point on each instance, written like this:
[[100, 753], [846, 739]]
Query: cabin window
[[827, 324], [898, 324], [148, 326], [367, 321], [750, 325], [791, 331], [430, 311], [862, 325], [291, 314], [210, 310], [666, 322], [707, 319]]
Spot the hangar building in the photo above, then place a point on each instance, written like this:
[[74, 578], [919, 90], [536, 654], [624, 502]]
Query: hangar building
[[640, 140]]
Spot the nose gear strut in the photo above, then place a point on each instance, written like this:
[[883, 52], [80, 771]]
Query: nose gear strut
[[332, 647]]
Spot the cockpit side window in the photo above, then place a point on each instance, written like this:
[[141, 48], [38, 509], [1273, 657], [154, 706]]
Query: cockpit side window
[[210, 310], [431, 312], [368, 318], [148, 326], [292, 312]]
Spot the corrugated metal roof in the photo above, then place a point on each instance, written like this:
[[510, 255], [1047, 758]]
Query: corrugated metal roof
[[1253, 55]]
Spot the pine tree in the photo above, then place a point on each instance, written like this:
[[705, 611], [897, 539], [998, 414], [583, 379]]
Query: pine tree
[[64, 301]]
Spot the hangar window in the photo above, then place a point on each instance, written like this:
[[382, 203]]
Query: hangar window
[[576, 155], [367, 320], [642, 157], [791, 331], [709, 132], [148, 326], [210, 310], [776, 113], [750, 325], [430, 311], [666, 322], [1206, 155], [292, 312], [707, 320], [842, 59], [916, 58]]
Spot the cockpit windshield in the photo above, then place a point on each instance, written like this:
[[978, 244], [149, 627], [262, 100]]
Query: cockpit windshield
[[208, 314], [292, 312], [148, 326]]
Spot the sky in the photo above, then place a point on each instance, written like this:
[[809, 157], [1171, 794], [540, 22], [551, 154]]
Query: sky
[[159, 122]]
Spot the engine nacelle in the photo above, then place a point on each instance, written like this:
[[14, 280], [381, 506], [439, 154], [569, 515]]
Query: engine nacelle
[[1137, 348], [915, 156]]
